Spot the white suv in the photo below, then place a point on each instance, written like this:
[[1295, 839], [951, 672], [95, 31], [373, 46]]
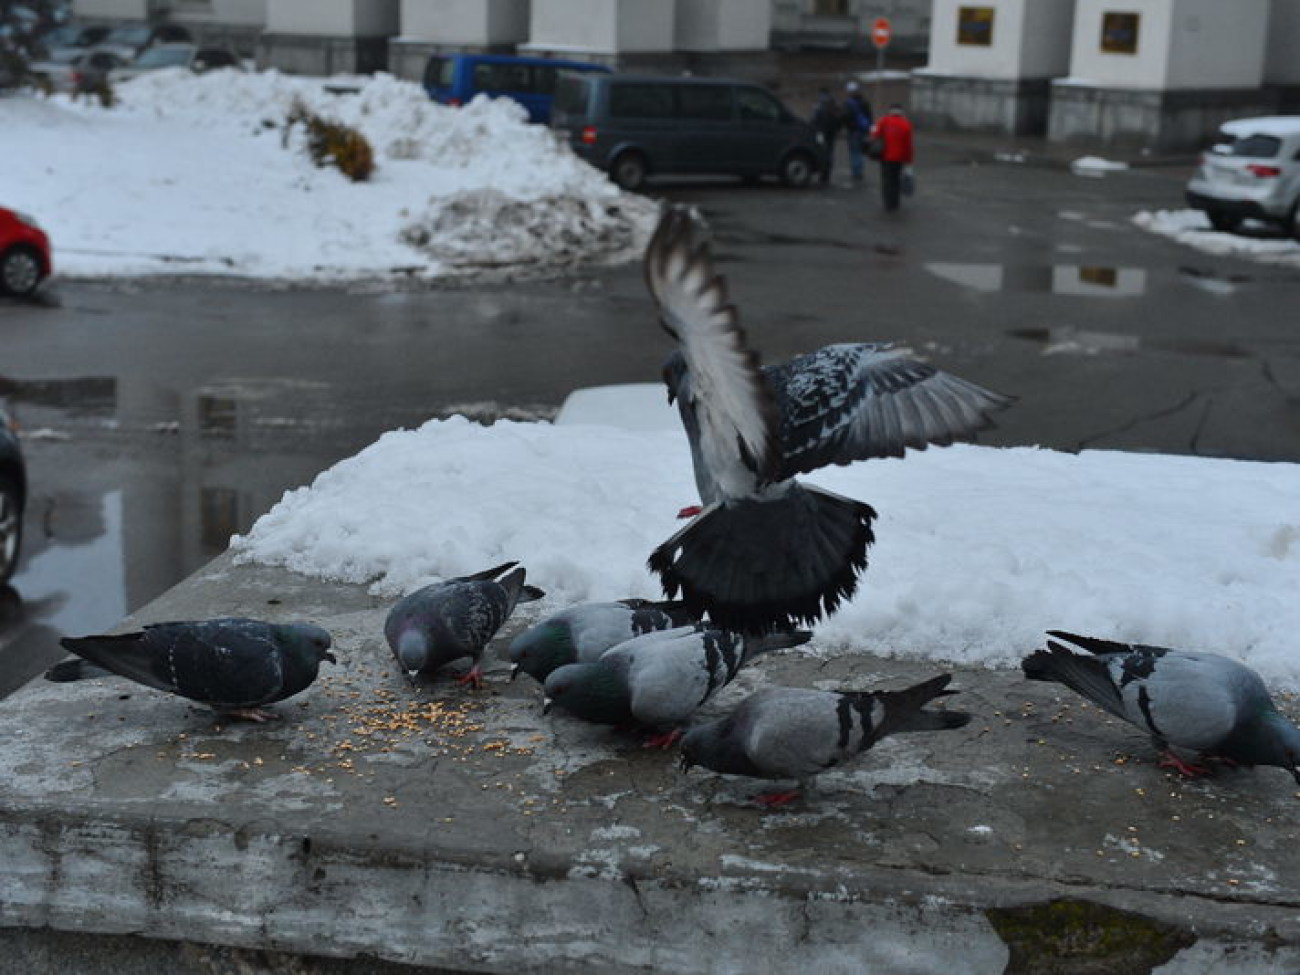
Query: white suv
[[1252, 173]]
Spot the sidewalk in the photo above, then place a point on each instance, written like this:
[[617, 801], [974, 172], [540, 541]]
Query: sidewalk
[[444, 827]]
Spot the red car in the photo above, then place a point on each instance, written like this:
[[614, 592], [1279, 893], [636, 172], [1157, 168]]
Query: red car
[[24, 253]]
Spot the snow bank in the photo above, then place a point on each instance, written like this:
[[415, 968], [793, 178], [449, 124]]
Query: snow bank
[[979, 550], [193, 175], [1191, 227]]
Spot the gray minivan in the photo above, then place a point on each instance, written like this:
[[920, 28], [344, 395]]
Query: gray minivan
[[634, 126]]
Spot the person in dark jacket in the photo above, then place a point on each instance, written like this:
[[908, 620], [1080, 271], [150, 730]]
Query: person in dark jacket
[[894, 130], [826, 120], [857, 123]]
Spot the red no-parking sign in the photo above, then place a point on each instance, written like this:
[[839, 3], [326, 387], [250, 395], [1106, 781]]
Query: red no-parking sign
[[881, 32]]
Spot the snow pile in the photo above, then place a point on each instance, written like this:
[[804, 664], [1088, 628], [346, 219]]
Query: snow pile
[[1095, 166], [979, 550], [1192, 227], [203, 181]]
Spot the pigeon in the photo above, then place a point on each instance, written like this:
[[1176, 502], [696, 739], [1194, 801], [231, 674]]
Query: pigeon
[[233, 665], [1201, 702], [659, 679], [792, 733], [582, 633], [443, 622], [767, 551]]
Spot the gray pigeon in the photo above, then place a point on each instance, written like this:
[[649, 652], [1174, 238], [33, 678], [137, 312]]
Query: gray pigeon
[[234, 665], [658, 680], [766, 551], [791, 733], [433, 626], [582, 633], [1202, 702]]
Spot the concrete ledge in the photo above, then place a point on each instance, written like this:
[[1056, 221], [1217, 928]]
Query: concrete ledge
[[443, 827], [313, 54]]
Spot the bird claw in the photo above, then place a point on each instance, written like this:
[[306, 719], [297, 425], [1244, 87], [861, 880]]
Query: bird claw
[[663, 741], [256, 715], [1189, 769], [775, 800], [474, 679]]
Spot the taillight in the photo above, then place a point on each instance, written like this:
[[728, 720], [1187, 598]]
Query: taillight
[[454, 102], [1264, 172], [588, 135]]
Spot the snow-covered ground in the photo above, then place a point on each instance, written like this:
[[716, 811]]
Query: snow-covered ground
[[193, 175], [979, 549], [1192, 228]]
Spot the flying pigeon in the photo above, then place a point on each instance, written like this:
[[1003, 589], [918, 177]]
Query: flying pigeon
[[767, 551], [1202, 702], [658, 680], [443, 622], [582, 633], [233, 665], [792, 733]]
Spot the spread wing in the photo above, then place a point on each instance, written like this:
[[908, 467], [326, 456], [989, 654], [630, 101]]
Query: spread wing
[[851, 402], [737, 422]]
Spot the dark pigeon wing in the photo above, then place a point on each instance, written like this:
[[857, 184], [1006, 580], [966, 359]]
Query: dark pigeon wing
[[851, 402], [734, 408], [234, 663]]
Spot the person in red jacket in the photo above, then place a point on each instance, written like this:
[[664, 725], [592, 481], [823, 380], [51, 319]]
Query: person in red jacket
[[894, 131]]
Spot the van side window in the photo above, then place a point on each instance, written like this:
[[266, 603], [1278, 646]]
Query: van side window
[[704, 102], [756, 105], [640, 101], [502, 77], [439, 72]]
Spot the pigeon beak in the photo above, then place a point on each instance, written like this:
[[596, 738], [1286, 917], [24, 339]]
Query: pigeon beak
[[514, 671], [546, 705], [330, 657]]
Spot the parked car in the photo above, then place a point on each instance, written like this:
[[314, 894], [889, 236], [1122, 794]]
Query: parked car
[[1253, 172], [453, 79], [78, 37], [13, 496], [635, 126], [177, 55], [61, 72], [129, 40], [25, 259]]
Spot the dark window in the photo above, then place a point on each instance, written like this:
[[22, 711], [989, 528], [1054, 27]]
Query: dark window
[[503, 77], [975, 26], [570, 95], [830, 8], [438, 72], [1257, 146], [640, 101], [1119, 33], [704, 102], [755, 104]]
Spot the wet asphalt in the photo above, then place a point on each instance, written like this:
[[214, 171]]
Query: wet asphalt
[[161, 417]]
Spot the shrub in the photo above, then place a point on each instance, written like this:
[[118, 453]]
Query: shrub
[[332, 143]]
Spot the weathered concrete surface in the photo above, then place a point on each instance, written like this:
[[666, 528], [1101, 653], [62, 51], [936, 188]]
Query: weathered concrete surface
[[442, 827]]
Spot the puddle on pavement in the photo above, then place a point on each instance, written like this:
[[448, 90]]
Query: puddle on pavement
[[1083, 280], [1068, 340], [133, 487]]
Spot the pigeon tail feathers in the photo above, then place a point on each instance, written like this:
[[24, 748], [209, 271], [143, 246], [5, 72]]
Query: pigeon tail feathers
[[904, 709], [758, 565], [1088, 676]]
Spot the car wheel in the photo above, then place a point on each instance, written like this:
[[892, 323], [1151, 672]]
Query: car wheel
[[20, 271], [629, 170], [798, 169], [11, 528], [1225, 223]]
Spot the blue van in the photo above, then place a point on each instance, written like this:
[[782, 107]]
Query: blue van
[[453, 79]]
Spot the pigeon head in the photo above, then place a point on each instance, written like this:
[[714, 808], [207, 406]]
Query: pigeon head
[[307, 640], [591, 691], [1270, 740], [412, 648], [716, 746], [540, 650]]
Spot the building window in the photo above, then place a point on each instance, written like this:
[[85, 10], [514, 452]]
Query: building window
[[1119, 33], [975, 26], [830, 8]]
